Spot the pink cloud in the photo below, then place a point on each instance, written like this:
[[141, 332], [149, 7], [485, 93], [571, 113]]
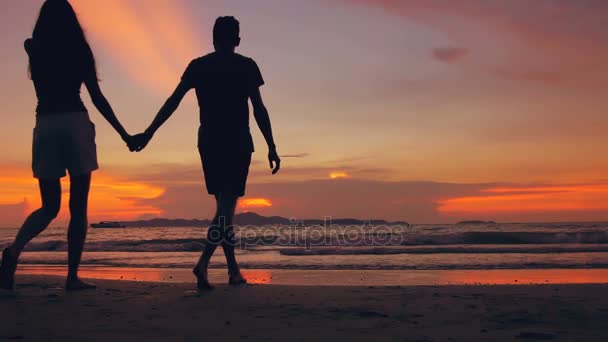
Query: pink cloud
[[450, 54], [546, 77], [566, 37]]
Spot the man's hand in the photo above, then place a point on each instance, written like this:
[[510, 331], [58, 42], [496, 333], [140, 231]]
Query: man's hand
[[274, 160], [139, 142]]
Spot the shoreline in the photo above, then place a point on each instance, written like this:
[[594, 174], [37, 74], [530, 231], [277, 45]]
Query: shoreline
[[123, 310], [340, 277]]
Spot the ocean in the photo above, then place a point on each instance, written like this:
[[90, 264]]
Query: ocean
[[417, 247]]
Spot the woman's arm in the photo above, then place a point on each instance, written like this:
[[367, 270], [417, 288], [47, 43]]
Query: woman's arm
[[101, 103]]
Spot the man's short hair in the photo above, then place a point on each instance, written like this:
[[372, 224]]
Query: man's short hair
[[226, 31]]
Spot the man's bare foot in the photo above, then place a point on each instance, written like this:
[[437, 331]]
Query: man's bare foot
[[78, 285], [236, 279], [7, 270], [202, 280]]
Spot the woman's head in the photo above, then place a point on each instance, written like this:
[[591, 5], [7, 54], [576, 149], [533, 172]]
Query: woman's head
[[59, 37]]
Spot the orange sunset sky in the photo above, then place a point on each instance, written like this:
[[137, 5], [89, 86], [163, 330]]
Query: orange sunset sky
[[426, 111]]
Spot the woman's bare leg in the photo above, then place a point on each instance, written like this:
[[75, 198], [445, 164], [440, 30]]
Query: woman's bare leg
[[38, 221], [77, 230]]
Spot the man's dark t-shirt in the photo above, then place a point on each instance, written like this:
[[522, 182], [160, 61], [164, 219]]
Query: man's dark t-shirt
[[224, 83]]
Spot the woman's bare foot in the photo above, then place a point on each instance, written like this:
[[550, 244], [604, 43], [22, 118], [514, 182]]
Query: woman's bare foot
[[202, 280], [7, 270], [236, 279], [78, 285]]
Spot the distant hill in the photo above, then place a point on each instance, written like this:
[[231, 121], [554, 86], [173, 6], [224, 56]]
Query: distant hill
[[253, 219]]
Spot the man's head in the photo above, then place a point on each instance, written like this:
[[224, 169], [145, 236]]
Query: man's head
[[226, 33]]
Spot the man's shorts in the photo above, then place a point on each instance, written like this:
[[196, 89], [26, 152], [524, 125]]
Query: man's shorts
[[225, 173]]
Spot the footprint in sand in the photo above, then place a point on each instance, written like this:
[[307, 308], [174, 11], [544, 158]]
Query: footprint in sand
[[529, 335], [7, 295], [371, 314]]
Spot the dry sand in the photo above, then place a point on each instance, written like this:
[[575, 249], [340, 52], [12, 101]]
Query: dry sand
[[137, 311]]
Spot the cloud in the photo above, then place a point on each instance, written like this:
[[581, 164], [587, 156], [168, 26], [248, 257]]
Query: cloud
[[296, 155], [117, 198], [177, 192], [577, 200], [112, 197], [450, 54], [300, 173], [566, 36], [414, 201], [12, 215], [540, 76], [311, 198]]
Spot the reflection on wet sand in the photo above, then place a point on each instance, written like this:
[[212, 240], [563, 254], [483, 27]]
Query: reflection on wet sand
[[159, 275], [510, 277], [342, 277], [109, 273]]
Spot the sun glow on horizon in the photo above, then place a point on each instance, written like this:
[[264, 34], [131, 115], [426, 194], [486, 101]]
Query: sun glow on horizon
[[118, 198], [247, 203], [339, 175], [529, 199], [111, 197]]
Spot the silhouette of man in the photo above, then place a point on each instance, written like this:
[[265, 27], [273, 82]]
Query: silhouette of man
[[224, 82]]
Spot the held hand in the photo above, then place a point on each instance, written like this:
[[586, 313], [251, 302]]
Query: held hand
[[274, 160], [128, 139], [139, 142]]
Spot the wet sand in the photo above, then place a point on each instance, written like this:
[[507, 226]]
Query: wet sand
[[341, 277], [127, 311]]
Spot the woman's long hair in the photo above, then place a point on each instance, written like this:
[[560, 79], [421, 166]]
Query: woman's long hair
[[59, 44]]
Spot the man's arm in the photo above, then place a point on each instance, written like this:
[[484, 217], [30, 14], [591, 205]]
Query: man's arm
[[263, 120], [163, 115]]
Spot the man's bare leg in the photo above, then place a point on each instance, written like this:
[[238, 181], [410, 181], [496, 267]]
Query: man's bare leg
[[213, 238], [220, 231], [227, 208]]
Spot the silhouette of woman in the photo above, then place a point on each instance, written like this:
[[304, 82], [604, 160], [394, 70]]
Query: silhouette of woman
[[61, 60]]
